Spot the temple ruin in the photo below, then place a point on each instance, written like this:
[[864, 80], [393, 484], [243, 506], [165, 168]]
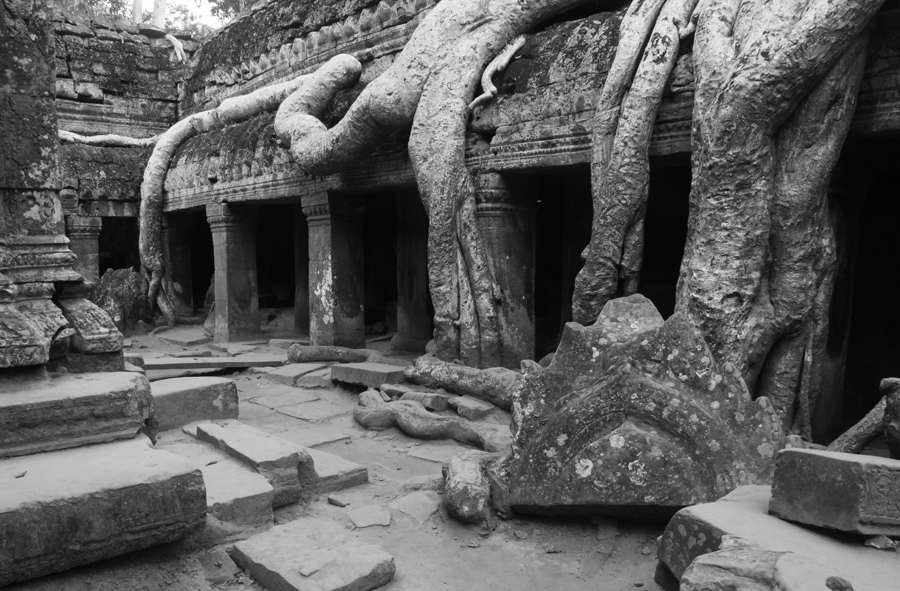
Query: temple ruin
[[477, 272]]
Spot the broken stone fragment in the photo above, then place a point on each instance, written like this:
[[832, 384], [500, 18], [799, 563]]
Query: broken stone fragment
[[370, 515], [634, 417], [847, 492], [368, 374], [419, 505], [430, 400], [313, 555], [471, 408], [467, 491], [179, 401]]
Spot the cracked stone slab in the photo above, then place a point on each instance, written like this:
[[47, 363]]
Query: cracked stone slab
[[289, 374], [282, 462], [743, 513], [313, 555], [315, 379], [370, 515], [238, 501], [86, 504], [179, 401], [335, 473], [242, 361], [848, 492], [419, 505]]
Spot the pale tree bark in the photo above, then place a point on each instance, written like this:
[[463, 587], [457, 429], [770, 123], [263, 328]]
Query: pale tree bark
[[160, 8], [137, 11]]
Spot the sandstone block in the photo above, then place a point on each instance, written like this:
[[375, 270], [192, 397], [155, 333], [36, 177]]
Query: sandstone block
[[249, 360], [419, 505], [334, 473], [289, 374], [431, 400], [279, 460], [471, 408], [179, 401], [238, 500], [77, 506], [367, 374], [848, 492], [313, 555], [743, 513], [189, 338], [370, 515], [72, 410]]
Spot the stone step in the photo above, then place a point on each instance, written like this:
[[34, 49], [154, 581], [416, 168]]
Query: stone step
[[71, 411], [289, 374], [71, 507], [284, 464], [315, 471], [235, 349], [368, 374], [315, 379], [698, 530], [312, 554], [242, 361], [238, 499], [179, 401], [335, 473]]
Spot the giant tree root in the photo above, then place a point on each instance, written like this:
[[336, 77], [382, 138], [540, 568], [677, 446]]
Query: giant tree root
[[331, 353], [494, 385], [876, 421], [374, 413]]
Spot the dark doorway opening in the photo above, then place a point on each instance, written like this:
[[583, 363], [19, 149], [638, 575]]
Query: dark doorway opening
[[118, 244], [203, 264], [275, 256], [380, 260]]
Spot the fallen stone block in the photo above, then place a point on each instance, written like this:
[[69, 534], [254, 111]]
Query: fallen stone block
[[395, 390], [467, 492], [431, 400], [369, 515], [238, 500], [179, 401], [371, 375], [234, 349], [192, 353], [282, 463], [313, 555], [134, 369], [847, 492], [71, 411], [88, 362], [134, 359], [743, 513], [186, 338], [288, 374], [334, 473], [299, 353], [287, 343], [62, 509], [249, 360], [471, 408], [315, 379]]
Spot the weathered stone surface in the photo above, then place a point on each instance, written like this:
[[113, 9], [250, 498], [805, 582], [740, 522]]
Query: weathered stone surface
[[467, 492], [280, 461], [370, 515], [371, 375], [238, 500], [634, 416], [892, 416], [315, 379], [94, 362], [287, 343], [419, 505], [122, 294], [494, 384], [848, 492], [187, 338], [249, 360], [70, 411], [179, 401], [430, 400], [313, 555], [289, 374], [94, 329], [471, 408], [334, 473], [77, 506], [699, 530]]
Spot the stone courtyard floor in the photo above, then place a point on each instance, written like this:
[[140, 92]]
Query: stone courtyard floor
[[437, 554]]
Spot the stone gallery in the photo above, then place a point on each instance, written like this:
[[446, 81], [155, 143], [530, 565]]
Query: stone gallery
[[452, 294]]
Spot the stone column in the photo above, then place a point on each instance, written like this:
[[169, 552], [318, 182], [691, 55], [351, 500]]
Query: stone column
[[234, 248], [336, 292], [175, 236], [84, 241], [413, 320], [506, 218], [301, 271]]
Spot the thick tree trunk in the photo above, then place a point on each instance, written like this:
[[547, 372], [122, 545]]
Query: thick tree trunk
[[160, 7], [137, 11]]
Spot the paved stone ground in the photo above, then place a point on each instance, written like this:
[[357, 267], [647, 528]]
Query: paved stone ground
[[439, 553]]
